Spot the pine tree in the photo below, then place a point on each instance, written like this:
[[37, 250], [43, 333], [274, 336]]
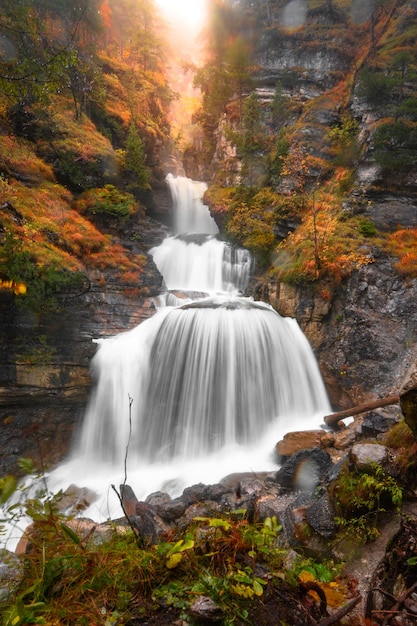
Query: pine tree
[[135, 159]]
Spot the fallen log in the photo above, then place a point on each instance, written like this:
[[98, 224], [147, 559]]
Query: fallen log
[[332, 419]]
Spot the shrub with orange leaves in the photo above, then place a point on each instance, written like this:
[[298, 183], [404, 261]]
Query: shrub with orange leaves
[[403, 245], [323, 246]]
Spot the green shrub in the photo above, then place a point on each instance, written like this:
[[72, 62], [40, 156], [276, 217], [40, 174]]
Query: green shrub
[[44, 284], [396, 145], [367, 228], [107, 205]]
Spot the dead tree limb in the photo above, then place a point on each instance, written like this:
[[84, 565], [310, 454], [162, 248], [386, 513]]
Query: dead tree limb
[[335, 617], [332, 419]]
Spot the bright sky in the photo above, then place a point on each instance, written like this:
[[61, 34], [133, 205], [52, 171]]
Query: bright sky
[[191, 11]]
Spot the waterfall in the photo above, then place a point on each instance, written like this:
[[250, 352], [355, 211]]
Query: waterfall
[[205, 387], [194, 259], [204, 375], [202, 263], [190, 215]]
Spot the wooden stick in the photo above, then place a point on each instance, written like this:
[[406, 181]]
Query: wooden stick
[[332, 619], [361, 408]]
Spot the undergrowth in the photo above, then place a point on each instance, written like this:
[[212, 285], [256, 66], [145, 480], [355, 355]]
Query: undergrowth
[[360, 497], [75, 574]]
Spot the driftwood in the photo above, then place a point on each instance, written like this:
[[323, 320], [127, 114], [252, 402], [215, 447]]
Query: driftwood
[[332, 419]]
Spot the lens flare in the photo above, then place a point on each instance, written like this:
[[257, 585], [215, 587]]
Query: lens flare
[[190, 12]]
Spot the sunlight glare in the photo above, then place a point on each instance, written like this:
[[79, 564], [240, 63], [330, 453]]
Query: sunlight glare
[[191, 12]]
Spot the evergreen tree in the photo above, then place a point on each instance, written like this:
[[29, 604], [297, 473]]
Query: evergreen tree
[[135, 160], [251, 142]]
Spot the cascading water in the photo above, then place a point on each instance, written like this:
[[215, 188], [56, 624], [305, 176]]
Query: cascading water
[[201, 389], [194, 259]]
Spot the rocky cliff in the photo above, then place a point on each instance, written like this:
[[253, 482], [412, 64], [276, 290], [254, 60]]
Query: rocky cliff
[[45, 356], [362, 328]]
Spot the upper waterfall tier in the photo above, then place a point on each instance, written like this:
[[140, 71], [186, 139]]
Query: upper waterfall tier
[[190, 214], [202, 263]]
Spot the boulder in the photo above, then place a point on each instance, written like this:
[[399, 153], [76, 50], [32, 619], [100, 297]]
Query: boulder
[[304, 470], [365, 454], [303, 440]]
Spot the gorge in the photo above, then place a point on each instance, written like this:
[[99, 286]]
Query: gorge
[[290, 293]]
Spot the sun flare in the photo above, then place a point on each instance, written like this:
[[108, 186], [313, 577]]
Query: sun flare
[[190, 11]]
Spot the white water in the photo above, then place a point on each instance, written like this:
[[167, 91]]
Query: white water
[[202, 264], [200, 390], [195, 259], [190, 215]]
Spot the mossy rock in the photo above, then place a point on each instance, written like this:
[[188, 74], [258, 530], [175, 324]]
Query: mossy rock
[[408, 403]]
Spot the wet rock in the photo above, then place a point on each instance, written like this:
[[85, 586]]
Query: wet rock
[[270, 505], [345, 438], [303, 440], [88, 531], [365, 454], [76, 499], [205, 611], [169, 509], [308, 522], [304, 470], [320, 517], [377, 422], [142, 516], [11, 572], [149, 525], [199, 509], [158, 499]]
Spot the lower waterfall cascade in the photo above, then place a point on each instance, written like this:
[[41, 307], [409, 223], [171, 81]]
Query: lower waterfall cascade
[[203, 388]]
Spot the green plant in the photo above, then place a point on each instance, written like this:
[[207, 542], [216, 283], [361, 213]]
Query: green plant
[[36, 353], [395, 145], [360, 497], [367, 228], [42, 284], [135, 160]]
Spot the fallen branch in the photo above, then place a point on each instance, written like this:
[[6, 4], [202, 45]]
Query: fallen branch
[[397, 606], [335, 617], [332, 419]]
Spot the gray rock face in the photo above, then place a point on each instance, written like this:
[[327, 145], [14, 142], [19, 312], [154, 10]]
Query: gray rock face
[[364, 337], [376, 335], [45, 357]]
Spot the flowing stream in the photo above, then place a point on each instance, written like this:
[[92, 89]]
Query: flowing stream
[[205, 387]]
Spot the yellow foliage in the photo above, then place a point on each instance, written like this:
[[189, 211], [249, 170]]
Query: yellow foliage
[[174, 560], [242, 590], [336, 594], [322, 246], [17, 288]]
